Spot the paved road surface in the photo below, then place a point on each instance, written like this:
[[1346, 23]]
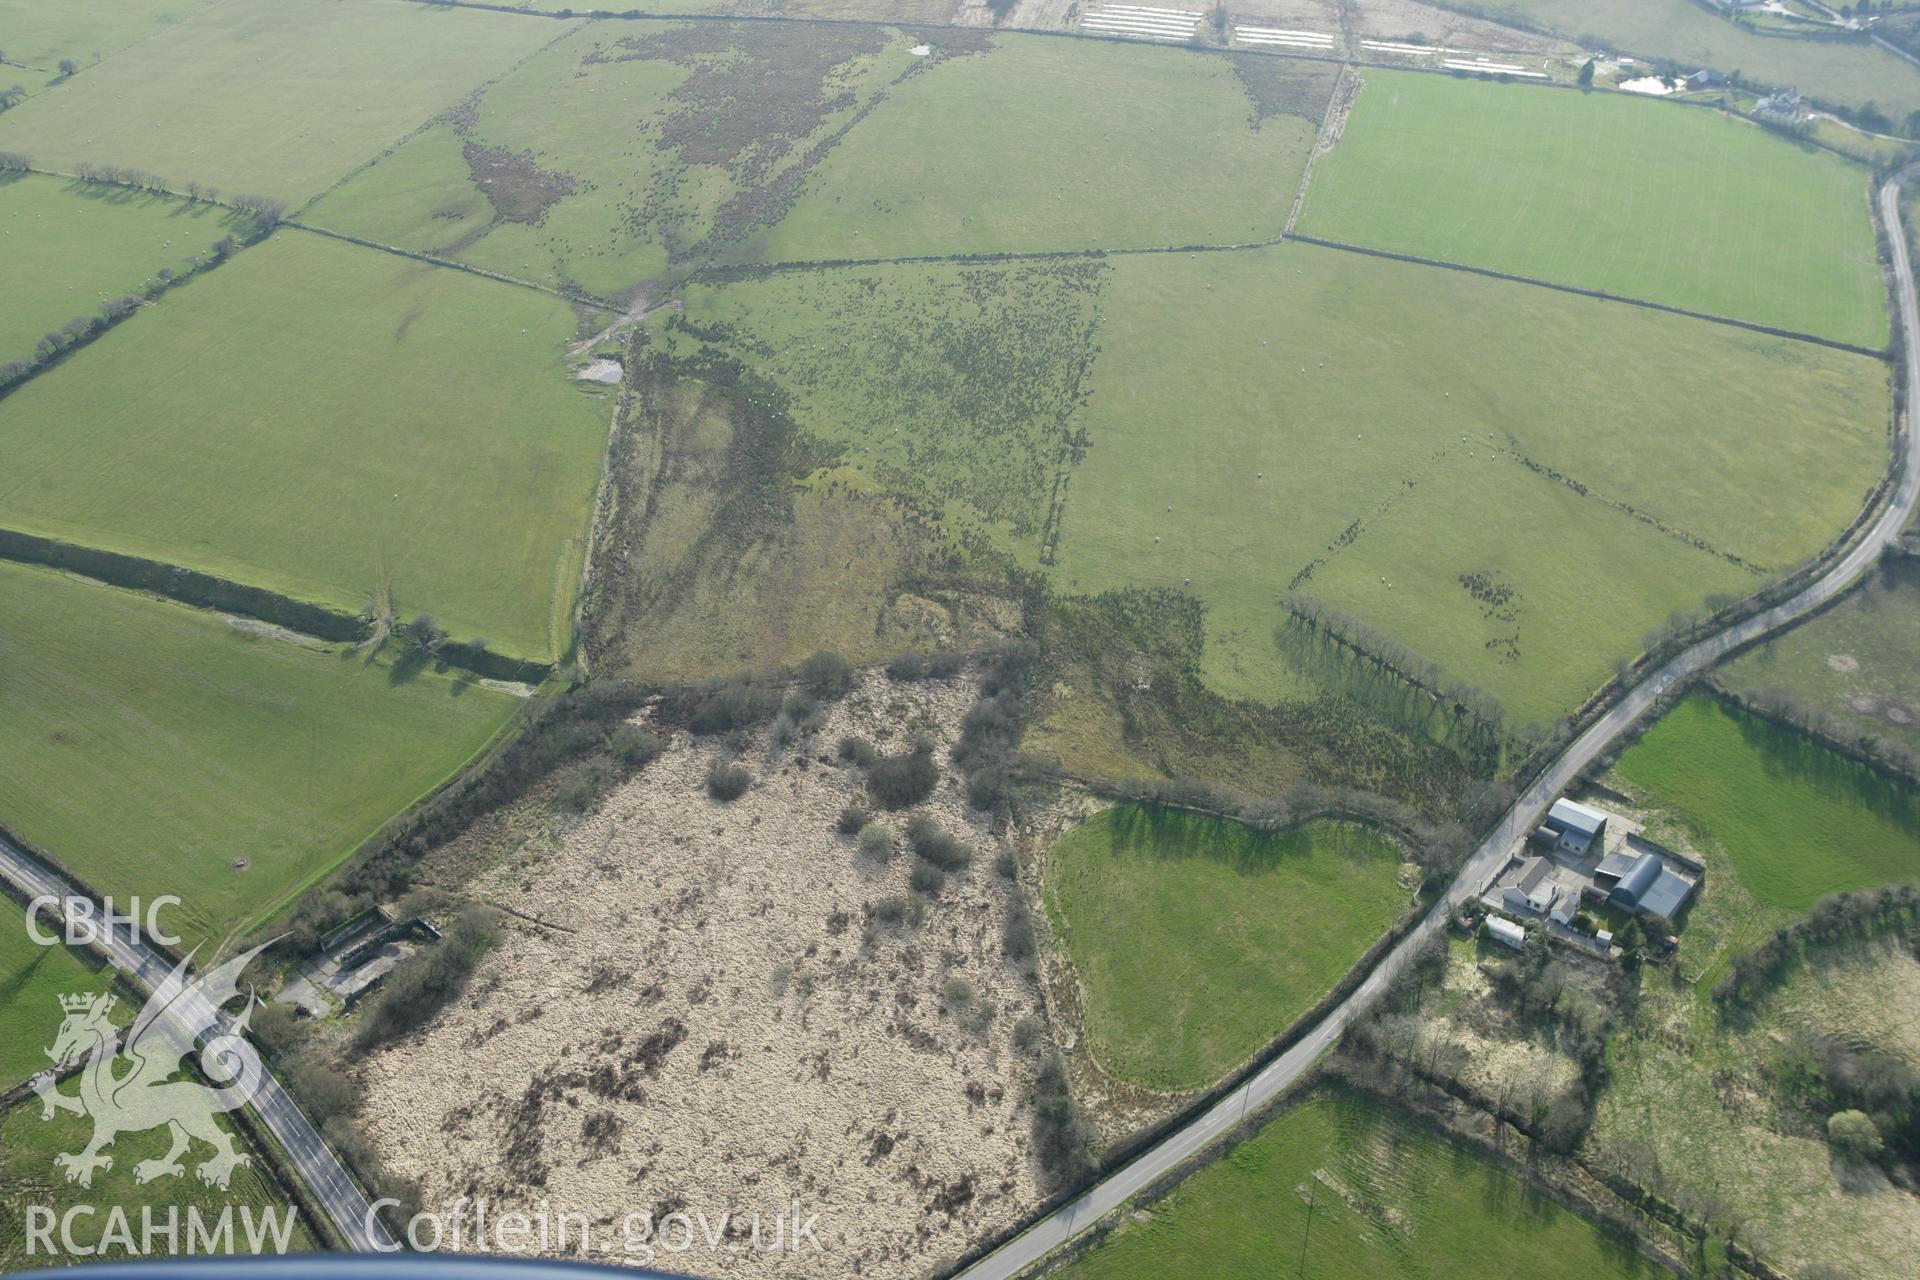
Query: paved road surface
[[1069, 1221], [313, 1162]]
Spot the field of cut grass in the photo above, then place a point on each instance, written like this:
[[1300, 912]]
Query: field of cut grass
[[1059, 144], [65, 248], [1858, 662], [148, 746], [1387, 1195], [623, 149], [1644, 199], [32, 980], [319, 418], [280, 97], [952, 383], [1305, 417], [1686, 33], [1796, 820], [29, 1177], [1197, 940]]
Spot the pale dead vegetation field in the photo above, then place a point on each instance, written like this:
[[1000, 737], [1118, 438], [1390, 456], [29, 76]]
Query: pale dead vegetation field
[[706, 1019]]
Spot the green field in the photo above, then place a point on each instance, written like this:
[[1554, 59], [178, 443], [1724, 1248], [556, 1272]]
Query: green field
[[1388, 1197], [1197, 940], [1691, 36], [316, 418], [35, 36], [70, 247], [1059, 144], [148, 746], [623, 148], [1256, 416], [28, 1177], [1858, 662], [285, 96], [954, 384], [32, 980], [1796, 820], [1639, 198]]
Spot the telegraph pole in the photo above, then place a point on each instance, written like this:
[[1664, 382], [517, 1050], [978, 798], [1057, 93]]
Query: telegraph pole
[[1313, 1196]]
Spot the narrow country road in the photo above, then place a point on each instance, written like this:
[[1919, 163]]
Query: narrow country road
[[1048, 1234], [313, 1162]]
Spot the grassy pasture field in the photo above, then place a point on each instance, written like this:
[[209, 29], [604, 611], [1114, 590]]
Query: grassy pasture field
[[1606, 191], [278, 97], [1196, 940], [1288, 403], [317, 418], [70, 247], [1858, 662], [148, 746], [32, 980], [35, 37], [1393, 1198], [1687, 34], [623, 149], [1796, 820], [925, 11], [1041, 144], [28, 1176], [954, 384]]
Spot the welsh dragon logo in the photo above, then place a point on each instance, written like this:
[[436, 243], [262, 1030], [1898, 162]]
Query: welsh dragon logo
[[132, 1088]]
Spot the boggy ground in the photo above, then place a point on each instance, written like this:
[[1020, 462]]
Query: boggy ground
[[708, 1019]]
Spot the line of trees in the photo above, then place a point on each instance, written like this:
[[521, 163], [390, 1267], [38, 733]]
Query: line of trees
[[1791, 710], [1371, 642], [1855, 914]]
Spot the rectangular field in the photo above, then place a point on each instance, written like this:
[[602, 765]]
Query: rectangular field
[[1644, 199], [1796, 820], [155, 749], [319, 419], [36, 37], [1515, 482], [1388, 1197], [1197, 940], [66, 247], [1040, 144], [279, 97]]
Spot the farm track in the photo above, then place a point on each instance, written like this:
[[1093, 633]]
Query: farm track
[[1166, 1157]]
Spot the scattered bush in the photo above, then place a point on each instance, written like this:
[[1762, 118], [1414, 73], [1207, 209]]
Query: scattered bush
[[583, 790], [427, 981], [852, 819], [1853, 1136], [1005, 865], [935, 845], [1017, 936], [1027, 1033], [926, 878], [858, 751], [726, 704], [634, 746], [902, 781], [1062, 1136], [726, 782], [957, 992], [827, 675], [876, 841]]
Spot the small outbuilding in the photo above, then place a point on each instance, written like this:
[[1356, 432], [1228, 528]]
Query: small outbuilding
[[1649, 886], [1507, 931], [1578, 825], [1707, 78]]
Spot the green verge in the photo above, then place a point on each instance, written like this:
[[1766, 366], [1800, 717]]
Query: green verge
[[285, 96], [1386, 1195], [1257, 416], [1044, 144], [1797, 820], [29, 1179], [1196, 940], [319, 419], [1859, 662], [147, 746], [32, 980], [66, 247], [1617, 192], [1851, 72]]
